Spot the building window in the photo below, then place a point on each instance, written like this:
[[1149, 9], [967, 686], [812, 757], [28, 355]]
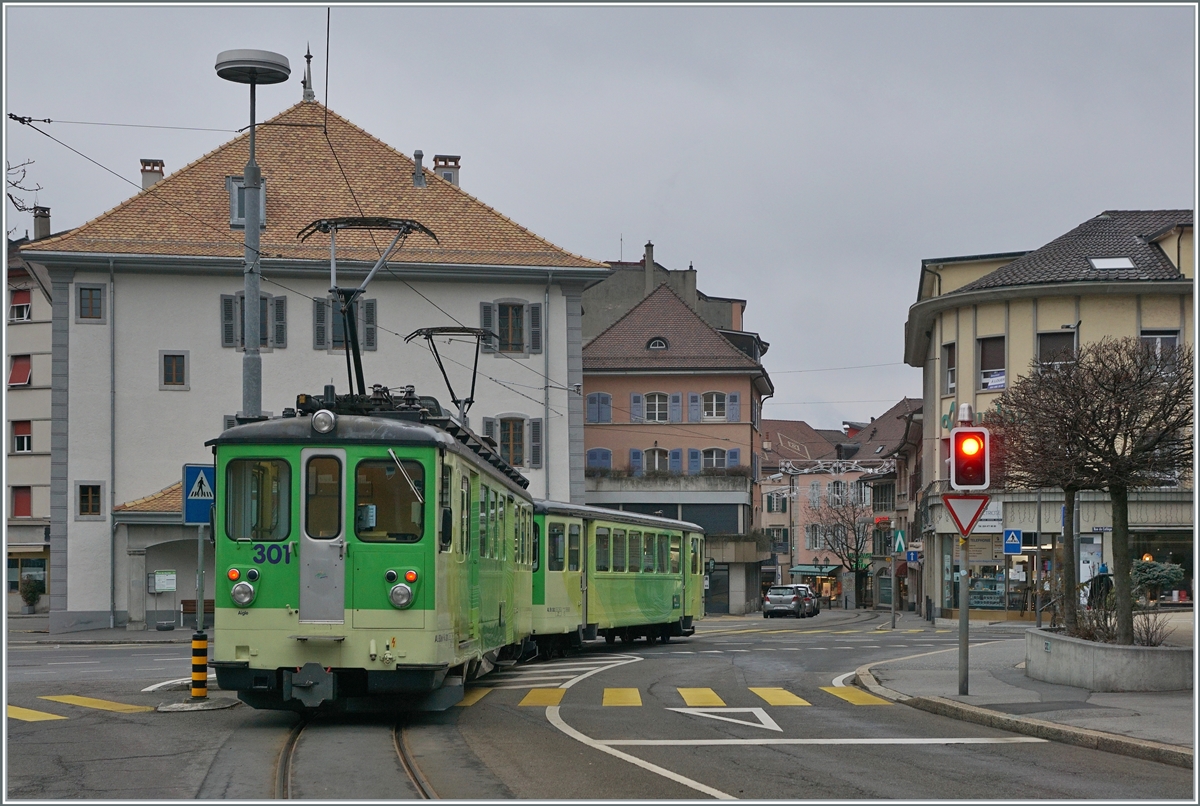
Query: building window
[[657, 343], [329, 328], [599, 458], [22, 502], [272, 321], [777, 501], [173, 370], [836, 493], [20, 371], [21, 567], [1056, 348], [22, 435], [236, 187], [1160, 341], [89, 498], [89, 304], [510, 320], [656, 407], [714, 458], [714, 405], [657, 459], [20, 306], [511, 326], [948, 364], [599, 407], [512, 441], [812, 538], [814, 493], [991, 364]]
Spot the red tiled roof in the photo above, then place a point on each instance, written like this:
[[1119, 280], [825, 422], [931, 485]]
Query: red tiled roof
[[168, 499]]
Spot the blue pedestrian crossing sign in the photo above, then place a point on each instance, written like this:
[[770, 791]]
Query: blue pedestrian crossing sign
[[198, 494], [1012, 541]]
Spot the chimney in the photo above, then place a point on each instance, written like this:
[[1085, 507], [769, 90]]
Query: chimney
[[41, 222], [690, 295], [152, 173], [418, 171], [648, 262], [446, 166]]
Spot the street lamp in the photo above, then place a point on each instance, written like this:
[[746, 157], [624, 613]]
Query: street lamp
[[252, 67]]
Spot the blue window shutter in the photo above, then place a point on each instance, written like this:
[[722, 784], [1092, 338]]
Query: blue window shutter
[[599, 457], [593, 407], [693, 461], [535, 327], [675, 460], [635, 408], [675, 407], [733, 457], [733, 407], [606, 458], [605, 407], [635, 461], [592, 460], [487, 321], [693, 407]]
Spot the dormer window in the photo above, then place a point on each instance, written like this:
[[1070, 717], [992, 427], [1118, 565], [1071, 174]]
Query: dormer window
[[1110, 263], [657, 343], [236, 187]]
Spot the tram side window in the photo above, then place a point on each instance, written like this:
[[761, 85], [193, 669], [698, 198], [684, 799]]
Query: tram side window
[[493, 530], [603, 548], [648, 553], [663, 547], [556, 548], [323, 497], [695, 555], [484, 546], [501, 532], [464, 509], [618, 550], [676, 546], [257, 499], [635, 552], [386, 506], [573, 547], [537, 546]]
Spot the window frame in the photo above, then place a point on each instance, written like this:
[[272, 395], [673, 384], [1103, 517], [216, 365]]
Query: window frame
[[185, 386], [708, 454], [15, 312], [1046, 362], [76, 294], [655, 454], [413, 467], [14, 361], [997, 380], [28, 495], [15, 438], [101, 492], [309, 497], [661, 412], [556, 538], [719, 401], [1155, 336], [283, 504], [509, 427], [949, 368]]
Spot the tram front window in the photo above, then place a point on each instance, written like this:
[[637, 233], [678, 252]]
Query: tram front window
[[323, 497], [257, 496], [386, 503]]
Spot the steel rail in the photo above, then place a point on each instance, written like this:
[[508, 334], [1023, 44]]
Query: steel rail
[[424, 789]]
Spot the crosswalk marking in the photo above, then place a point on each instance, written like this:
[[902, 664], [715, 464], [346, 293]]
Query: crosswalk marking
[[544, 696], [473, 696], [103, 705], [700, 697], [855, 696], [29, 715], [622, 696], [779, 696]]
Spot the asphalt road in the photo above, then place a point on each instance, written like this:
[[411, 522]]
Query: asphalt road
[[746, 708]]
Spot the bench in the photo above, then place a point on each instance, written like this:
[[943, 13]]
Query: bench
[[187, 607]]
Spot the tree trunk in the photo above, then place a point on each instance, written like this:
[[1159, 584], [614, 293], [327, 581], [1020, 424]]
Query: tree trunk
[[1069, 603], [1122, 562]]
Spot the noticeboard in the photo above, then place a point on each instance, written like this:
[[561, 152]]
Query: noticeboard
[[164, 581]]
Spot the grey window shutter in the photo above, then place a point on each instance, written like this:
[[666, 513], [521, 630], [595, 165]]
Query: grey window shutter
[[635, 461], [675, 460], [535, 327], [487, 321], [693, 407], [280, 321], [320, 324], [370, 341], [489, 427], [229, 421], [733, 407], [635, 407], [605, 408], [693, 461], [535, 442], [675, 407], [228, 320], [593, 407], [733, 457]]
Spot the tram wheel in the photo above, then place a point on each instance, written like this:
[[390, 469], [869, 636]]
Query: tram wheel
[[609, 638]]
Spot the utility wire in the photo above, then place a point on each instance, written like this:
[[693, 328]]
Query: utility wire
[[21, 119], [837, 369]]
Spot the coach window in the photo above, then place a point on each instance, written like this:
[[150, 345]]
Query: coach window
[[573, 547], [323, 497], [494, 524], [537, 545], [664, 545], [388, 501], [648, 553], [556, 547], [603, 549], [676, 545], [635, 552], [618, 550], [464, 516], [257, 499]]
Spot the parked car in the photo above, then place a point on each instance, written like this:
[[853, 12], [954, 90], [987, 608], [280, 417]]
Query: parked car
[[785, 600], [811, 595]]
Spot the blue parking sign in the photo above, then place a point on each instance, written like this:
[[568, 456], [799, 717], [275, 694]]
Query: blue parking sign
[[199, 494], [1012, 541]]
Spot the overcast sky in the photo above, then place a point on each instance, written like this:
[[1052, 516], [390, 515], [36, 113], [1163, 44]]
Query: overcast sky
[[805, 159]]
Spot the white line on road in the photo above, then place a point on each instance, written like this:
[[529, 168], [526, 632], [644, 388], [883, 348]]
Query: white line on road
[[840, 680], [718, 742], [152, 669], [69, 662]]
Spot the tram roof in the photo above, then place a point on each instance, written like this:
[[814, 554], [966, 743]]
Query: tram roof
[[542, 507]]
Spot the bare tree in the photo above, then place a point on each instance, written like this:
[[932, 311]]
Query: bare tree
[[15, 177], [842, 519]]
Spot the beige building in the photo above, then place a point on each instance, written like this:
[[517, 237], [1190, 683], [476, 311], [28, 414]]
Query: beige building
[[980, 321]]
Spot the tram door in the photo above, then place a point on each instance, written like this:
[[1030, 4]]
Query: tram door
[[584, 562], [322, 539]]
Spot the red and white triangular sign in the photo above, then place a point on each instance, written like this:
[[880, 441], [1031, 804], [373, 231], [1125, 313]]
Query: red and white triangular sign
[[965, 509]]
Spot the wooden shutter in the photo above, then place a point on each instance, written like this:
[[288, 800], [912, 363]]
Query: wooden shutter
[[321, 324], [487, 321], [635, 407], [733, 457], [22, 370], [694, 413], [535, 327], [593, 407], [733, 407], [635, 461], [535, 442], [693, 461], [675, 460], [229, 328], [605, 408], [370, 340], [675, 407], [279, 321], [770, 503]]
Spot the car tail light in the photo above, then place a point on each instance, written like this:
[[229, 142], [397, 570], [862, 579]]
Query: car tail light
[[795, 598]]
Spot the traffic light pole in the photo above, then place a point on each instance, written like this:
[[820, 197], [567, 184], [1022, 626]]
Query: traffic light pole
[[965, 418]]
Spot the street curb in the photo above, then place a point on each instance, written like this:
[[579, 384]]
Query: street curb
[[1066, 734]]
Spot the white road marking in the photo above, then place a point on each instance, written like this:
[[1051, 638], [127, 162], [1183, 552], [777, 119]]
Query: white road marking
[[152, 669], [712, 651], [723, 714], [739, 650], [69, 662], [840, 680], [165, 683], [906, 740]]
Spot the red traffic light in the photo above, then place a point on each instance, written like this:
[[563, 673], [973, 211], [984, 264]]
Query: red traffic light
[[969, 459]]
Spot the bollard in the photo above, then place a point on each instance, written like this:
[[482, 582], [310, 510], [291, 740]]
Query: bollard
[[199, 666]]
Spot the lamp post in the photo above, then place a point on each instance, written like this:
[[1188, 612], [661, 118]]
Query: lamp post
[[252, 67]]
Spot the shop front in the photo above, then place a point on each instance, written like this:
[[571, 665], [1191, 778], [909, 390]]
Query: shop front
[[823, 579]]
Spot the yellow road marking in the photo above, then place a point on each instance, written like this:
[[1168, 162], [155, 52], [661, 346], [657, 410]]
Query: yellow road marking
[[622, 696], [700, 697], [945, 630], [103, 705], [779, 696], [473, 696], [845, 632], [914, 631], [855, 696], [543, 696], [29, 715]]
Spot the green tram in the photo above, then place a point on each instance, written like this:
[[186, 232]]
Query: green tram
[[372, 553]]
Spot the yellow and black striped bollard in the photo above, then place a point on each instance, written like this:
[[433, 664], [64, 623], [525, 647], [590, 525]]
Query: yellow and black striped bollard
[[199, 666]]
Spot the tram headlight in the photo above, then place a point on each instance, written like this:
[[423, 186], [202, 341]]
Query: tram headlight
[[401, 596], [324, 421], [242, 593]]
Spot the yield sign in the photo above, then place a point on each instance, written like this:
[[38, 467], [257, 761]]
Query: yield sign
[[722, 714], [965, 509]]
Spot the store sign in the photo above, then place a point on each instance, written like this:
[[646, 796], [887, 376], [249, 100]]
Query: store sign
[[992, 519]]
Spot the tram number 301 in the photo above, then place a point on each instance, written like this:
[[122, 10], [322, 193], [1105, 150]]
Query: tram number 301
[[273, 554]]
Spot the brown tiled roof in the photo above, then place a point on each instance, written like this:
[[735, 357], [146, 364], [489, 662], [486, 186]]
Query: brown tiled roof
[[886, 431], [795, 440], [692, 344], [187, 213], [168, 499]]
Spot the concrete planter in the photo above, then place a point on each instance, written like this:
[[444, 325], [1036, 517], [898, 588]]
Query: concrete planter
[[1054, 658]]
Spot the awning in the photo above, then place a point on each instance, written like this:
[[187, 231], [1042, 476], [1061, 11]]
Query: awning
[[814, 570]]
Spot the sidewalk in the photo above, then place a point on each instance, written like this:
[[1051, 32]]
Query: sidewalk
[[23, 630], [1154, 725]]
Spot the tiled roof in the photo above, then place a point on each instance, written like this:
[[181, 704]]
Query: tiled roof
[[168, 499], [886, 431], [795, 440], [187, 213], [692, 344], [1112, 234]]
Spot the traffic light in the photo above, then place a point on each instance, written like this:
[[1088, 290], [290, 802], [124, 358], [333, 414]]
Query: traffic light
[[969, 458]]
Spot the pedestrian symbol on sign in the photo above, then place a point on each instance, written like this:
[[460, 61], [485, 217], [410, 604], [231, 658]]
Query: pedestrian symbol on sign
[[201, 489], [1012, 541]]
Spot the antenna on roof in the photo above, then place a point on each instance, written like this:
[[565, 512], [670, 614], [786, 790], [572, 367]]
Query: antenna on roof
[[309, 95]]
